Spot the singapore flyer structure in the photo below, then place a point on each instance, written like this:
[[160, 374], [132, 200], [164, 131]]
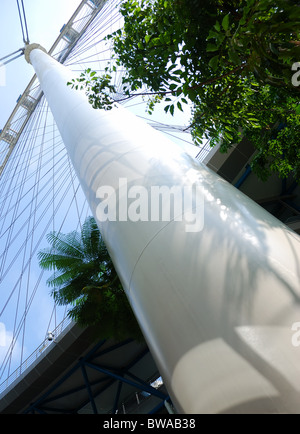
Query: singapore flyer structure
[[39, 191], [214, 287]]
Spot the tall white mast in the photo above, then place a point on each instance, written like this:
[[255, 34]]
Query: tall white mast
[[215, 285]]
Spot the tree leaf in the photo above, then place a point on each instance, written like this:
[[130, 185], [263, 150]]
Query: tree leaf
[[225, 22], [179, 106], [213, 63], [217, 26], [211, 47]]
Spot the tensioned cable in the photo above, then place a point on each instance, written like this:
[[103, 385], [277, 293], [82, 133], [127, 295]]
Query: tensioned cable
[[14, 238], [6, 364], [41, 237], [59, 168], [17, 186], [14, 215], [20, 157], [23, 21], [94, 27], [33, 215], [10, 171], [36, 208], [95, 30], [26, 207], [3, 366], [64, 177], [17, 203], [8, 56]]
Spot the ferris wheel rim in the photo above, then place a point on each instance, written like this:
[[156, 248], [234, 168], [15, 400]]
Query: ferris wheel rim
[[33, 84]]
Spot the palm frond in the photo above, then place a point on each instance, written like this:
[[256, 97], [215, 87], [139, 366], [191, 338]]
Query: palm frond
[[50, 259], [91, 238], [69, 244], [59, 281], [69, 292]]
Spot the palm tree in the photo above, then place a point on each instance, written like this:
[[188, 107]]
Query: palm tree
[[85, 279]]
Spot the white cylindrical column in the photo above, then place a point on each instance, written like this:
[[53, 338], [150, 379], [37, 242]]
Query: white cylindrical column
[[212, 278]]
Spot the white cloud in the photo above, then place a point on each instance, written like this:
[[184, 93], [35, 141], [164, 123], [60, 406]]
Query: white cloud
[[2, 335], [6, 339]]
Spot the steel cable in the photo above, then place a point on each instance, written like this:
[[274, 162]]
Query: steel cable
[[23, 21]]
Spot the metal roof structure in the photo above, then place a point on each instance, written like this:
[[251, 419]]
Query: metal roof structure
[[77, 375]]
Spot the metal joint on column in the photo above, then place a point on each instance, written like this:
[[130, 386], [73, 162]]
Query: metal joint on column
[[29, 48]]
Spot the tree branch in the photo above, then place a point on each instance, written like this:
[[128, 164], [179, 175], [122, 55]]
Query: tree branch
[[196, 86]]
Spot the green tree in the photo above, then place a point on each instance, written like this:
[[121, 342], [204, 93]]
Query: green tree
[[85, 279], [231, 60]]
